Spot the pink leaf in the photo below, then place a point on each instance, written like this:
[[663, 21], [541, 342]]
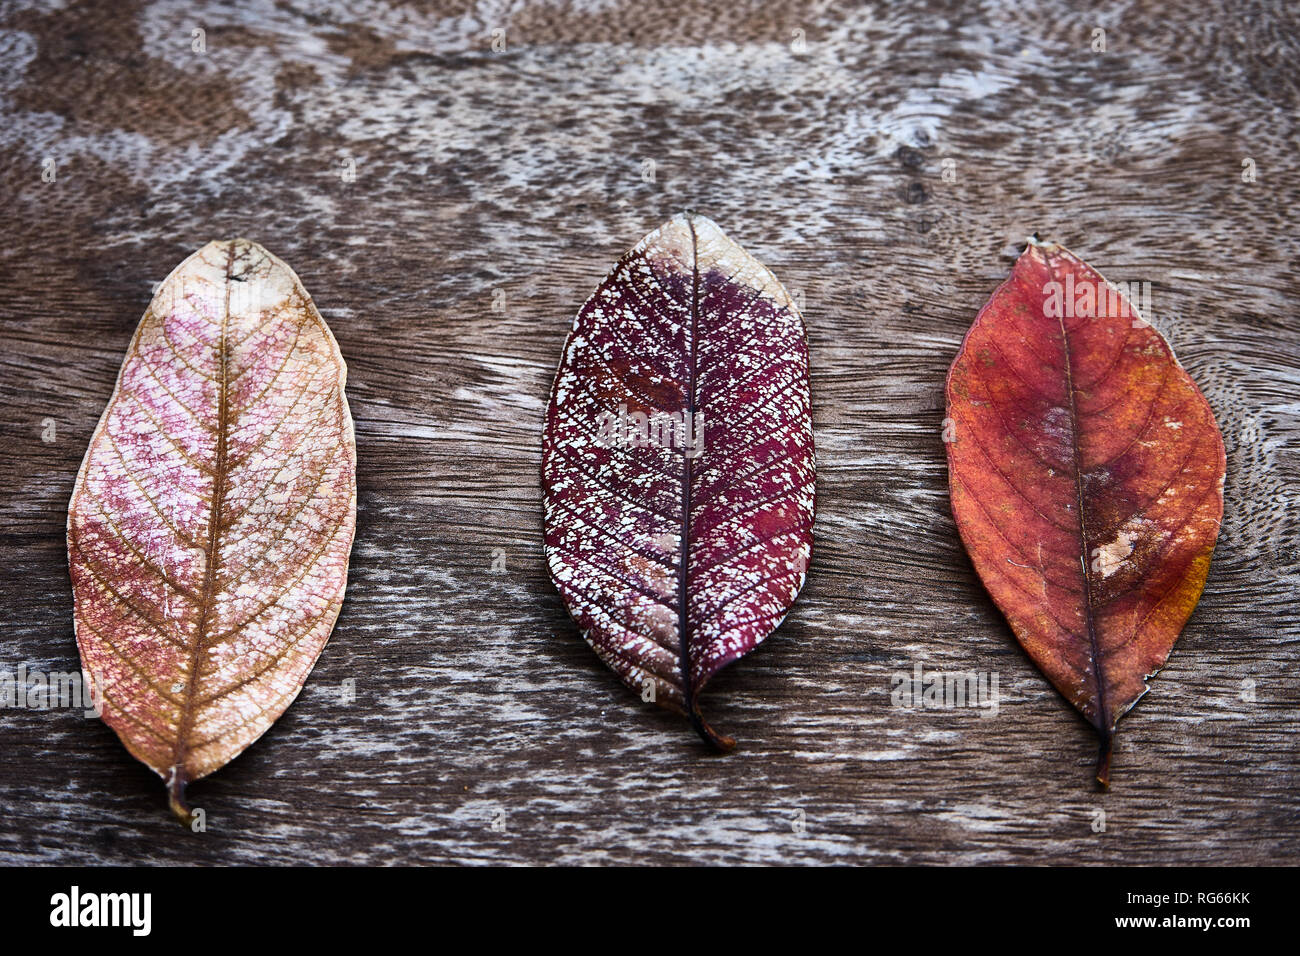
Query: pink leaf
[[211, 523]]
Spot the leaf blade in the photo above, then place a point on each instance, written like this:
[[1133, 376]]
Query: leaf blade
[[669, 580], [211, 522], [1086, 479]]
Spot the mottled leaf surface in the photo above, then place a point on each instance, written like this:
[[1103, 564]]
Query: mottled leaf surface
[[1086, 473], [211, 523], [679, 555]]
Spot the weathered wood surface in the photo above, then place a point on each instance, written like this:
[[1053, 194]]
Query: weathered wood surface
[[492, 191]]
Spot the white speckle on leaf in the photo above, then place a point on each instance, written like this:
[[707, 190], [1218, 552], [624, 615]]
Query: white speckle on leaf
[[1107, 558]]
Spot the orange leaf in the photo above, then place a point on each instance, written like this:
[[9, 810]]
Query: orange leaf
[[1086, 474]]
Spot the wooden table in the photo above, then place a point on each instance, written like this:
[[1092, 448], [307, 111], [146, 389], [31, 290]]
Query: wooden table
[[450, 205]]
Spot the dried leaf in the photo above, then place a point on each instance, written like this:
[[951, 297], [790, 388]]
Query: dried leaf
[[1086, 473], [212, 519], [678, 463]]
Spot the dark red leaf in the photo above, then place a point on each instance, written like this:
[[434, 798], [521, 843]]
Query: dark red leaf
[[678, 463]]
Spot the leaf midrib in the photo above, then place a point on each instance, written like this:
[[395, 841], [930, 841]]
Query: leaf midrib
[[207, 595], [1103, 723], [683, 617]]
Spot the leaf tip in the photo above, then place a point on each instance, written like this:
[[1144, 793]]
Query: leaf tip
[[1035, 241], [699, 220]]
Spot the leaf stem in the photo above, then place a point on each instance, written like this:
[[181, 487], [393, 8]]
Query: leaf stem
[[1103, 759], [176, 797], [722, 742]]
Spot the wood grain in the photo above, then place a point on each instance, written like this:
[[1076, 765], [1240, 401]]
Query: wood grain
[[492, 191]]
